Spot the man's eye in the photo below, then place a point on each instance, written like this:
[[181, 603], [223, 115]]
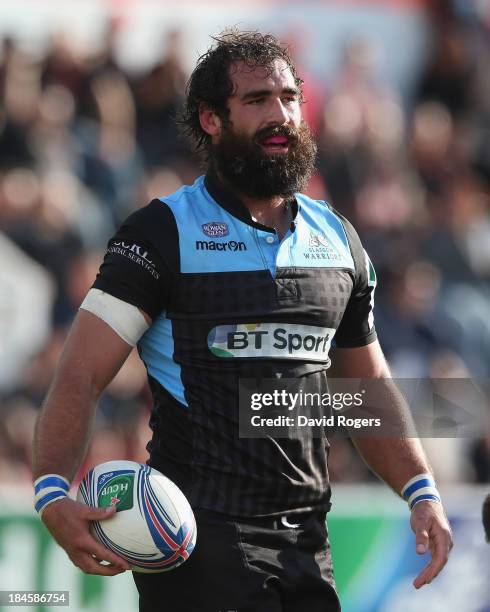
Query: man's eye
[[289, 100], [256, 101]]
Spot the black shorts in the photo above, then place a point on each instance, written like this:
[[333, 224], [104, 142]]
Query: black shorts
[[248, 565]]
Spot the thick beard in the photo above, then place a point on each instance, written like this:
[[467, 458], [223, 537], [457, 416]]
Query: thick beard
[[251, 171]]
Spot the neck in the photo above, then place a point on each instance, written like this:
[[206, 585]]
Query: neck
[[265, 211], [273, 211]]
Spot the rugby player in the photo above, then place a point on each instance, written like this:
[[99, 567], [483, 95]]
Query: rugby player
[[237, 276]]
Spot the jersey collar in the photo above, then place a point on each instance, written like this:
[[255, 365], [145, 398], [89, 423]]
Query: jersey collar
[[225, 198]]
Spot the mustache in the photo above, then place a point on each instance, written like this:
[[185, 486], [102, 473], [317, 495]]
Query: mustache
[[289, 132]]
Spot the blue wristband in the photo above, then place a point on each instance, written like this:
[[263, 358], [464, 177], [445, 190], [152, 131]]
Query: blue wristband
[[420, 488], [47, 499], [51, 480], [49, 488]]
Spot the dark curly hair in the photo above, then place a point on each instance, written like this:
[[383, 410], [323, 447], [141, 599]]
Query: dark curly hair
[[210, 83]]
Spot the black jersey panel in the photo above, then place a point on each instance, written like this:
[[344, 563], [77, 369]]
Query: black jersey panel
[[205, 306], [200, 450], [357, 325], [141, 263], [314, 295]]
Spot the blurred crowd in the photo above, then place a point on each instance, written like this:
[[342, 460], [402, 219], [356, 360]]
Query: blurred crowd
[[83, 142]]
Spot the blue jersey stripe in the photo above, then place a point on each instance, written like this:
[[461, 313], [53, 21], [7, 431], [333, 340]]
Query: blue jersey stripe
[[157, 349]]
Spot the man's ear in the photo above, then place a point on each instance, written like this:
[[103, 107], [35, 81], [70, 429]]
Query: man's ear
[[209, 120]]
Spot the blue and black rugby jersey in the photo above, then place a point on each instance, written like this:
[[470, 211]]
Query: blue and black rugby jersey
[[230, 301]]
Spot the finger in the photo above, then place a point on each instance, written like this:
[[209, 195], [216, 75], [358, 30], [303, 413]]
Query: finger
[[91, 546], [89, 565], [422, 578], [99, 560], [107, 564], [421, 541], [99, 514], [104, 554], [440, 545], [427, 575]]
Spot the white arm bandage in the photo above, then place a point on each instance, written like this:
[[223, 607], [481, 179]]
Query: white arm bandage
[[125, 319]]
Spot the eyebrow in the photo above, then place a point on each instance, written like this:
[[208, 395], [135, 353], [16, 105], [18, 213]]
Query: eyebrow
[[259, 93]]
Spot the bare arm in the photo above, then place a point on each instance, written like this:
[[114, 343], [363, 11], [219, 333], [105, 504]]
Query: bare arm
[[396, 460], [92, 356]]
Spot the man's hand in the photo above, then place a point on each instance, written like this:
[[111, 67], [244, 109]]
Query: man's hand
[[68, 522], [432, 532]]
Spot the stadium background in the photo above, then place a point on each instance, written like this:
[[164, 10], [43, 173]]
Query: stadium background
[[398, 96]]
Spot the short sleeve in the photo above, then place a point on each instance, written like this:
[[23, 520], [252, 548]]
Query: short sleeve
[[141, 261], [357, 325]]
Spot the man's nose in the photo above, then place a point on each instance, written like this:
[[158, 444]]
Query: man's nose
[[278, 112]]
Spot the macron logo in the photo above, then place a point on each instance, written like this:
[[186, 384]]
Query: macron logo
[[210, 245]]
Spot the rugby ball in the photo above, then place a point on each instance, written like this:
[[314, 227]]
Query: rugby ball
[[153, 528]]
